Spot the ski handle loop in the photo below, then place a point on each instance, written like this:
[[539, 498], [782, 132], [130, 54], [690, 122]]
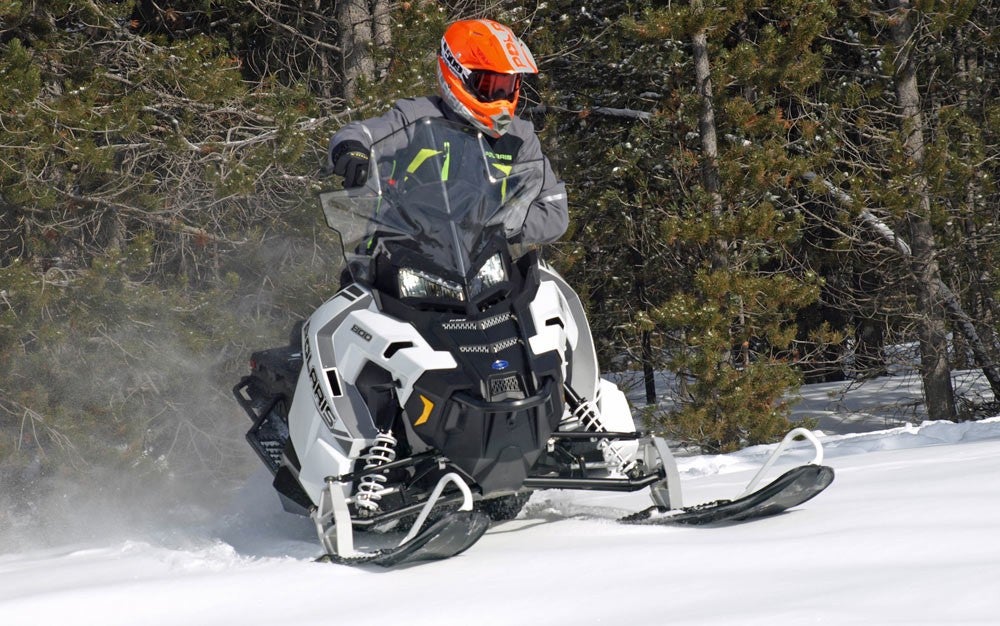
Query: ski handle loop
[[792, 434], [333, 507], [451, 477]]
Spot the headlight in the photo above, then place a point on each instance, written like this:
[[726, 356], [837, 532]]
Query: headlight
[[491, 273], [417, 284]]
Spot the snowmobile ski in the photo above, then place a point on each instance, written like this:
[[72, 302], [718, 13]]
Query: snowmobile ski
[[449, 536], [792, 488]]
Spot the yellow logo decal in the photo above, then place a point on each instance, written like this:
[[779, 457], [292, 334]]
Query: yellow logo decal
[[428, 407]]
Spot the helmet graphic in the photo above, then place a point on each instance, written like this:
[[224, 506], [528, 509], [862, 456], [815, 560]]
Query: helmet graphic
[[479, 72]]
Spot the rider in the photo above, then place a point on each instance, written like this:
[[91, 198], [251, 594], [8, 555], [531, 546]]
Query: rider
[[479, 80], [480, 67]]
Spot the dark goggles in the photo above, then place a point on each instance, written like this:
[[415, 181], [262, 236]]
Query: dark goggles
[[489, 86]]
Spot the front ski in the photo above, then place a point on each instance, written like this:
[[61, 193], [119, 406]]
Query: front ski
[[447, 537], [792, 488]]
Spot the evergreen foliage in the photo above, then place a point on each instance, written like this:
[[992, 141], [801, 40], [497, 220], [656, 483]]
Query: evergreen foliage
[[157, 226], [158, 162]]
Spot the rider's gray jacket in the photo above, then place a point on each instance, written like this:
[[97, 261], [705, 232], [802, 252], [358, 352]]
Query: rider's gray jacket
[[548, 215]]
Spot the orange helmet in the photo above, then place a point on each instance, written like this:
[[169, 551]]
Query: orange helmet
[[479, 72]]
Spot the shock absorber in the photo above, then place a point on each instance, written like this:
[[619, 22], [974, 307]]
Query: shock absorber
[[590, 418], [371, 487]]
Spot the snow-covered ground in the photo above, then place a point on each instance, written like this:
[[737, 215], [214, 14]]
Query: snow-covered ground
[[906, 534]]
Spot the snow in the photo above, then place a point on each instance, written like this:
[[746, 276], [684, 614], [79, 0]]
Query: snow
[[906, 534]]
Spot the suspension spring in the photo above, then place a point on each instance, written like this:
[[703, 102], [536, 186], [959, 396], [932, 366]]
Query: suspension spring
[[371, 487], [590, 418]]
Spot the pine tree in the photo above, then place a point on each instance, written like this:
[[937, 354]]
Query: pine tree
[[732, 321]]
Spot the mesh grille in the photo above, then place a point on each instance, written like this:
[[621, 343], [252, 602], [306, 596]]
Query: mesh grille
[[504, 384], [504, 387], [485, 324], [490, 348]]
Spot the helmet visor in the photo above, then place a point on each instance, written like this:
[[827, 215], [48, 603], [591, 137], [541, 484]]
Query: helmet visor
[[489, 86]]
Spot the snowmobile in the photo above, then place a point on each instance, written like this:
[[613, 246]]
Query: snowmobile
[[454, 373]]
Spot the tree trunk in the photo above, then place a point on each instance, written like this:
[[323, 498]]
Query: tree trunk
[[709, 147], [648, 372], [706, 120], [382, 32], [707, 133], [323, 83], [355, 19], [638, 259], [932, 330]]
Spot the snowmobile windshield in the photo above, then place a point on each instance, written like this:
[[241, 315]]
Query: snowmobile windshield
[[436, 192]]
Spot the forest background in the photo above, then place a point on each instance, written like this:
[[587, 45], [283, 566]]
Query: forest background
[[761, 194]]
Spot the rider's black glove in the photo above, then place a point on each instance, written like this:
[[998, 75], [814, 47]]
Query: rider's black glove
[[350, 160]]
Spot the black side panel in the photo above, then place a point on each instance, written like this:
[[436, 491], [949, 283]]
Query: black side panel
[[289, 488], [276, 371], [376, 386], [269, 434], [266, 394]]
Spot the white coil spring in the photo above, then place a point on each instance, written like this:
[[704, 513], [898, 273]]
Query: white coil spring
[[590, 419], [372, 486]]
